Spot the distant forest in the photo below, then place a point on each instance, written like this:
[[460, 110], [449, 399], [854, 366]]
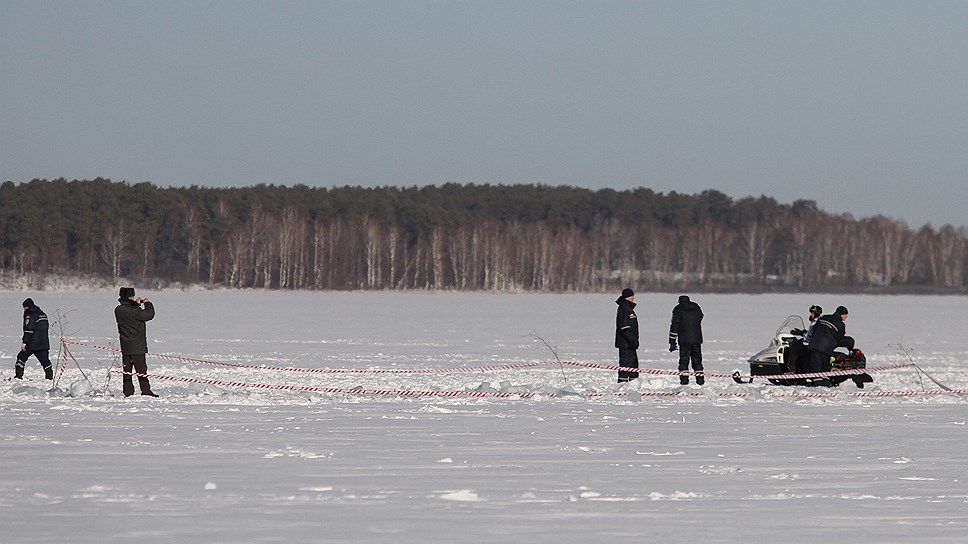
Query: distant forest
[[462, 237]]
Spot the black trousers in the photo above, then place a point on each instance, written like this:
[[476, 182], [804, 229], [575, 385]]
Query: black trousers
[[42, 355], [818, 362], [690, 353], [136, 364], [627, 358]]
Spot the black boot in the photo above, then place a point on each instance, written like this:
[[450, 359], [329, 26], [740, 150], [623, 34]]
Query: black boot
[[48, 373], [18, 371]]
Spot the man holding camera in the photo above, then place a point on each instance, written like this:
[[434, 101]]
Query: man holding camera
[[131, 318]]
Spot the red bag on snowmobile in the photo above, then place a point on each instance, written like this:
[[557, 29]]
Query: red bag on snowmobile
[[848, 361]]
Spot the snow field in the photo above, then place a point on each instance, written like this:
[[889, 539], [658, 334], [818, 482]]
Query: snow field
[[228, 464]]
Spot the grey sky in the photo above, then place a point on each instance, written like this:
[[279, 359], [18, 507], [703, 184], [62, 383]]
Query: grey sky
[[858, 105]]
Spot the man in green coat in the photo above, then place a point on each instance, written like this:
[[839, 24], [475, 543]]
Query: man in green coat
[[131, 318]]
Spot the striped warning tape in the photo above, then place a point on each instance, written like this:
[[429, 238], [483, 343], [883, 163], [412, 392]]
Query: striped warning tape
[[492, 368], [485, 368], [504, 394], [850, 372], [522, 394]]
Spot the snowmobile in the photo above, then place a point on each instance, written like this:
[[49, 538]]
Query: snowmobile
[[786, 349]]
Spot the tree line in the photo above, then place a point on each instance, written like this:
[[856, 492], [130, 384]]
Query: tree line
[[462, 237]]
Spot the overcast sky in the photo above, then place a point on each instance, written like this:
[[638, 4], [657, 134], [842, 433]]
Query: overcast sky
[[861, 106]]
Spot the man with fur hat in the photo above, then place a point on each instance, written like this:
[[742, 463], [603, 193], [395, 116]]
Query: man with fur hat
[[627, 335], [35, 340], [131, 318], [686, 331]]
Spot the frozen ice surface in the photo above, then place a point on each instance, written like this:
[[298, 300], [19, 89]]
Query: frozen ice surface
[[578, 459]]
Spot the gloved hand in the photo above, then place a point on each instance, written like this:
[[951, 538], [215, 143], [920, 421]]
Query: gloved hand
[[672, 347], [798, 332], [23, 346]]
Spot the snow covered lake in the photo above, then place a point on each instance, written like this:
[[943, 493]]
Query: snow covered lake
[[498, 447]]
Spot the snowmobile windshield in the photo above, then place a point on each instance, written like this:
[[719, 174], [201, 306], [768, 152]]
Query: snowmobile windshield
[[784, 335], [791, 323]]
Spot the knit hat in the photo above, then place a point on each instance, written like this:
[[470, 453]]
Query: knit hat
[[626, 293], [126, 292], [841, 310], [816, 309], [28, 303], [683, 298]]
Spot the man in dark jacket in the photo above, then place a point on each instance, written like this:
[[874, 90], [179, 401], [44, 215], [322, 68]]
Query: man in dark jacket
[[828, 332], [35, 341], [627, 335], [686, 331], [131, 318]]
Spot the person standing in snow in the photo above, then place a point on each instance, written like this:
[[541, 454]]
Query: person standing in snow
[[131, 318], [686, 331], [35, 340], [627, 335]]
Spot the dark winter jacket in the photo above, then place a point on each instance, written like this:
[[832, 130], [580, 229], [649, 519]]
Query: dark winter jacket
[[828, 333], [35, 329], [686, 328], [131, 320], [626, 325]]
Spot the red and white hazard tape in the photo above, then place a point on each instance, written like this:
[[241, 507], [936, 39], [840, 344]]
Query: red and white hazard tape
[[486, 368], [521, 394], [490, 368], [353, 390], [714, 375], [501, 394], [878, 393]]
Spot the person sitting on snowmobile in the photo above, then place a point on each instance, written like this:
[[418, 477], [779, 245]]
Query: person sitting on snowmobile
[[802, 353], [828, 333], [815, 312]]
